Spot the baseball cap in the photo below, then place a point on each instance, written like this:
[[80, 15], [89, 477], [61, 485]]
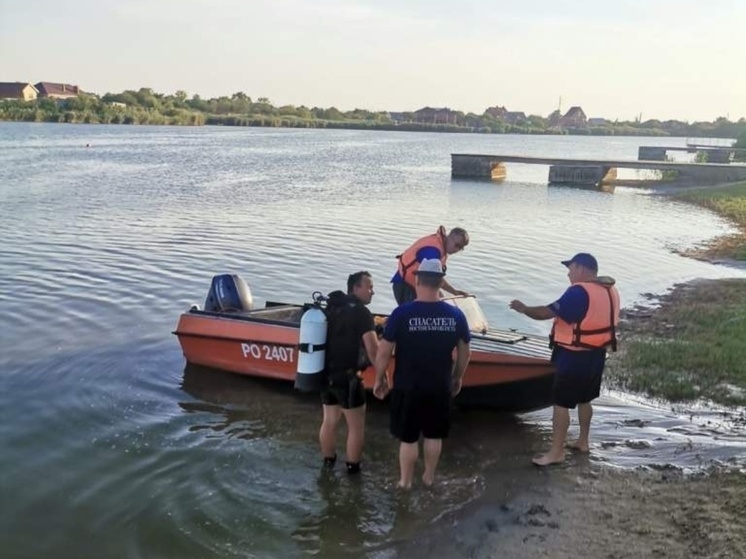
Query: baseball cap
[[431, 267], [583, 259]]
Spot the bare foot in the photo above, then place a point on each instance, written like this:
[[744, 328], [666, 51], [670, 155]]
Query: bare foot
[[579, 447], [548, 459], [402, 485], [428, 481]]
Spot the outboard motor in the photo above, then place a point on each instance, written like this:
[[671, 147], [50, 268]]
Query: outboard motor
[[229, 292], [311, 375]]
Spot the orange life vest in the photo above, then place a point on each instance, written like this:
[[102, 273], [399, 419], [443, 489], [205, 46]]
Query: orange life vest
[[408, 264], [598, 328]]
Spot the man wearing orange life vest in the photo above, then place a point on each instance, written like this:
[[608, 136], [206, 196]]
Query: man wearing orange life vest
[[585, 321], [437, 246]]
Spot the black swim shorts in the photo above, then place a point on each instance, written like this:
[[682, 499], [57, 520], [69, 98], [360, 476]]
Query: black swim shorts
[[347, 392], [412, 413]]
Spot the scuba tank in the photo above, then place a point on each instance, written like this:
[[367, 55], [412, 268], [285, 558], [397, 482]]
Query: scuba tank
[[310, 374]]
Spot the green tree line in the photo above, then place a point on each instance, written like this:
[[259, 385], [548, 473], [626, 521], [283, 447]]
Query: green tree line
[[146, 106]]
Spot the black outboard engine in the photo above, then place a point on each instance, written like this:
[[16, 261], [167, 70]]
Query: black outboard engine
[[229, 293]]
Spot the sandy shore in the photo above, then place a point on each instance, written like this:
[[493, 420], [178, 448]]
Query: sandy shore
[[592, 511]]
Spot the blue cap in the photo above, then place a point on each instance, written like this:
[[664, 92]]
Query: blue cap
[[583, 259]]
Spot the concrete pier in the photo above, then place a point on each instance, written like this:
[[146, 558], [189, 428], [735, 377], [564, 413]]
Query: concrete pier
[[478, 168], [581, 174], [591, 171], [714, 154]]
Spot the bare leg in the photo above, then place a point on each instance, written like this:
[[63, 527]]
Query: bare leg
[[560, 424], [585, 413], [355, 419], [408, 453], [328, 431], [431, 449]]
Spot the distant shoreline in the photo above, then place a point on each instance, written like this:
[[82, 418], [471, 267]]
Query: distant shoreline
[[145, 106], [364, 125]]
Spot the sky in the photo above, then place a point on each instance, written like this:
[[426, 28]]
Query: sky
[[664, 59]]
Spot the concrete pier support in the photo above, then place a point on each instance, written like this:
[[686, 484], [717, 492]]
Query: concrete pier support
[[477, 167], [590, 175]]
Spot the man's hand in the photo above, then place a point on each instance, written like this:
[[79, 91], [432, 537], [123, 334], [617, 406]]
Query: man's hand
[[455, 387], [381, 388], [518, 306], [383, 356], [537, 313]]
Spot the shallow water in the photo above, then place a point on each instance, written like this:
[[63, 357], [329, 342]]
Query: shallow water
[[112, 448], [632, 432]]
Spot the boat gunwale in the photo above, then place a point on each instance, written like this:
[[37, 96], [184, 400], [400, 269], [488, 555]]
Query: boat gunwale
[[248, 316], [493, 347]]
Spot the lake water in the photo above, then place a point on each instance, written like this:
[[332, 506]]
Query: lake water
[[112, 448]]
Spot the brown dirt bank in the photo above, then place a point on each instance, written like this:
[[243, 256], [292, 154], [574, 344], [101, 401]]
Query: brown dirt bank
[[599, 512], [719, 250], [655, 318]]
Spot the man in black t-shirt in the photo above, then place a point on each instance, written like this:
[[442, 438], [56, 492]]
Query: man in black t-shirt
[[351, 346]]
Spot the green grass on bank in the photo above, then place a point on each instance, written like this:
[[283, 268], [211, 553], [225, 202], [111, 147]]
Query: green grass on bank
[[728, 201], [693, 347]]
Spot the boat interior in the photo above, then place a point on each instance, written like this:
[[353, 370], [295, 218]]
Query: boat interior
[[230, 298], [275, 313], [281, 313]]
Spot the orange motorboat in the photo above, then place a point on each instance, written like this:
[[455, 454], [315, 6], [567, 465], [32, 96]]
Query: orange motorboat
[[508, 370]]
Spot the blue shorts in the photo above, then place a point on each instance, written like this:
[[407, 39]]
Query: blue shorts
[[578, 376]]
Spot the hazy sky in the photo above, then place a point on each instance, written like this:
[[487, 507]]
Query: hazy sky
[[663, 58]]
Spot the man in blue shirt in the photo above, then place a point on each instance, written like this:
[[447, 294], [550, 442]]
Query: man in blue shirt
[[424, 333], [585, 320]]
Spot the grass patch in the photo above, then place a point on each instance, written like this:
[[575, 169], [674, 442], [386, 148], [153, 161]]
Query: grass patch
[[730, 202], [693, 347]]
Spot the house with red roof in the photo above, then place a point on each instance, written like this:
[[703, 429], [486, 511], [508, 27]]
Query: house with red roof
[[57, 90], [18, 90]]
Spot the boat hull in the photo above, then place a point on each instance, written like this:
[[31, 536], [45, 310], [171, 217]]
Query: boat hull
[[507, 371]]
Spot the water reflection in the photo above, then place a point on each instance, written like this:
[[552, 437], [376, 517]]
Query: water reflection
[[606, 188]]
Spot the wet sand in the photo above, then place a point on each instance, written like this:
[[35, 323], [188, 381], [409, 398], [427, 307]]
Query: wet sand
[[598, 512], [657, 483]]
